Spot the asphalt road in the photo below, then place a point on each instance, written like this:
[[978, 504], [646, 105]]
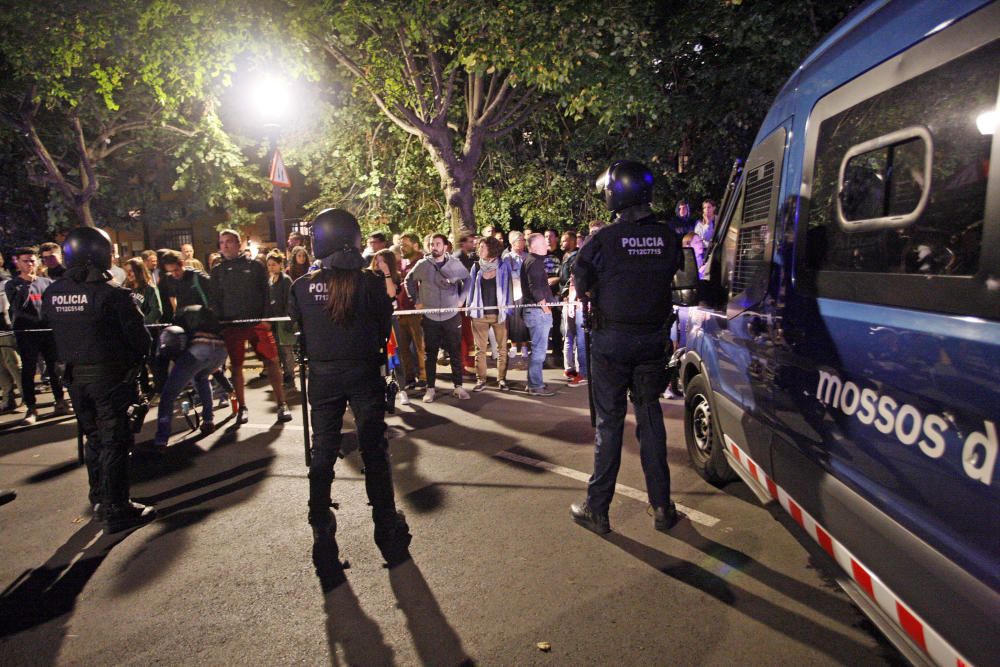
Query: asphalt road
[[224, 576]]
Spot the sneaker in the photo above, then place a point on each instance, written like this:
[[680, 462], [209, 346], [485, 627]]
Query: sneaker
[[669, 395], [207, 427], [9, 405], [502, 385], [420, 384], [480, 385], [284, 414], [243, 415], [30, 417], [569, 373], [460, 393], [62, 409], [590, 520], [578, 381], [664, 518], [404, 398], [540, 391], [130, 515], [429, 395]]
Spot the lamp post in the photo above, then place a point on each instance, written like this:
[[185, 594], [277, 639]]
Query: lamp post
[[270, 97], [273, 129]]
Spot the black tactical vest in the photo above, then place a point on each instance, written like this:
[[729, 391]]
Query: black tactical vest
[[94, 323], [637, 264], [363, 339]]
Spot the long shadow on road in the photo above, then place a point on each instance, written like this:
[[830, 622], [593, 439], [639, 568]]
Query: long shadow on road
[[49, 592], [837, 645], [351, 631]]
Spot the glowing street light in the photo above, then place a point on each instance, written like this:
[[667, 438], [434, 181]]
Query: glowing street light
[[269, 96]]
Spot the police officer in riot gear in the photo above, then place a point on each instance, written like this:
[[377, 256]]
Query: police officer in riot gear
[[626, 269], [345, 317], [100, 336]]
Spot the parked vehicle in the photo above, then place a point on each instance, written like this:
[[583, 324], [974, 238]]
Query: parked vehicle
[[844, 357]]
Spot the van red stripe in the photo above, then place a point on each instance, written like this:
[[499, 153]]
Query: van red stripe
[[825, 541], [863, 578], [913, 627], [796, 512]]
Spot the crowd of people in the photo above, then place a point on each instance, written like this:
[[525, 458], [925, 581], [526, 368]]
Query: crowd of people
[[358, 314], [471, 303]]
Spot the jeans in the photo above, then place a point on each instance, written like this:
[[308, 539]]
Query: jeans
[[196, 363], [30, 345], [574, 342], [447, 334], [627, 363], [539, 325]]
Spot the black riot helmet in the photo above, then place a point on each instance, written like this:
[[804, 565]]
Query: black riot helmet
[[625, 184], [87, 246], [336, 235], [173, 341]]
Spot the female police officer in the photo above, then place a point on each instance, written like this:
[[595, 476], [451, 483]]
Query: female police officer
[[345, 318]]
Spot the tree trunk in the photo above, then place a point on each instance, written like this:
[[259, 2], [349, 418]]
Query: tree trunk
[[83, 213], [456, 183], [460, 199]]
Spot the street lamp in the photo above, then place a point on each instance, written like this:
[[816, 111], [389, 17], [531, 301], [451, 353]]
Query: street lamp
[[270, 97]]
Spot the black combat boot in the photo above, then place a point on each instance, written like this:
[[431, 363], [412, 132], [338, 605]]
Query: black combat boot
[[664, 518], [392, 537], [126, 516], [589, 519], [325, 551]]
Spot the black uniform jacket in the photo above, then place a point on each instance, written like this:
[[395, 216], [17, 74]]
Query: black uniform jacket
[[363, 339], [94, 323], [627, 268]]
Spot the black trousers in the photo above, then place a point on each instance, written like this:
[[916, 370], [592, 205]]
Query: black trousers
[[30, 344], [635, 366], [101, 406], [332, 387], [446, 334]]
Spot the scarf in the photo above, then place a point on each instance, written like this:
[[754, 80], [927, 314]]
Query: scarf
[[487, 266]]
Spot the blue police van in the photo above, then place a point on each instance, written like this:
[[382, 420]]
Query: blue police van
[[843, 359]]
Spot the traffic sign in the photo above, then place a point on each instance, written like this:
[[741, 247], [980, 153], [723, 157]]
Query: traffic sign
[[279, 176]]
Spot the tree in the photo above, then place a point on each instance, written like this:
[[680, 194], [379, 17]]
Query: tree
[[458, 75], [89, 84]]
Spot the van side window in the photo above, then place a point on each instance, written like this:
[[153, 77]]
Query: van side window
[[899, 184], [748, 241]]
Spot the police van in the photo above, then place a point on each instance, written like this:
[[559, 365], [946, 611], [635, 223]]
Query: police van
[[843, 359]]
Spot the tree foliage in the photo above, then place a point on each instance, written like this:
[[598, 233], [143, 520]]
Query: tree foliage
[[92, 88], [459, 75]]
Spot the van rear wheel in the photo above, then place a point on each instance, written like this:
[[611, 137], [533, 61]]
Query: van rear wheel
[[701, 433]]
